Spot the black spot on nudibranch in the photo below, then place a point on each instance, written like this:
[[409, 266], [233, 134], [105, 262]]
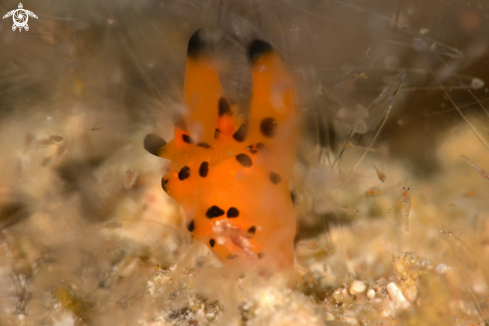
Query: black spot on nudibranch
[[205, 145], [164, 183], [275, 178], [252, 230], [233, 212], [241, 133], [204, 169], [191, 226], [260, 255], [187, 139], [184, 173], [199, 45], [292, 197], [251, 149], [268, 127], [152, 143], [257, 49], [212, 243], [214, 212], [224, 107], [216, 133], [244, 160]]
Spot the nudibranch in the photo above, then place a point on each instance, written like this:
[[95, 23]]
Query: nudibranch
[[231, 177]]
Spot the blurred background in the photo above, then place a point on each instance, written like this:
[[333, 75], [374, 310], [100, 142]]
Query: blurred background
[[393, 88]]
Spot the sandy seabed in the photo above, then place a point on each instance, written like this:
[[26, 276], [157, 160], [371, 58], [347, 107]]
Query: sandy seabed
[[385, 89]]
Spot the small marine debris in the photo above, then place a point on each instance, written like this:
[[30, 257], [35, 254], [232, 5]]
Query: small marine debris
[[348, 210], [371, 294], [380, 174], [478, 168], [397, 297], [130, 178], [112, 225], [406, 199], [442, 268], [373, 192], [424, 31], [357, 287], [79, 305], [477, 83], [56, 138]]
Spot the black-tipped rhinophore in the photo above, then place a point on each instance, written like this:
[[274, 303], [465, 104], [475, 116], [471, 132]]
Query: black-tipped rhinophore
[[241, 133], [179, 121], [199, 44], [224, 107], [152, 143], [257, 49]]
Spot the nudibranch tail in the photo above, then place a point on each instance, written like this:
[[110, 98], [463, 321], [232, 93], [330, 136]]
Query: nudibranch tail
[[202, 89], [272, 116]]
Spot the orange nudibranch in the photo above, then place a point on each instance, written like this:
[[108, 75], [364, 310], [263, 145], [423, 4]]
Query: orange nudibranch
[[233, 180]]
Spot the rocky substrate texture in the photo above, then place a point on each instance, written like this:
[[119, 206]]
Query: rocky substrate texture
[[367, 271]]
